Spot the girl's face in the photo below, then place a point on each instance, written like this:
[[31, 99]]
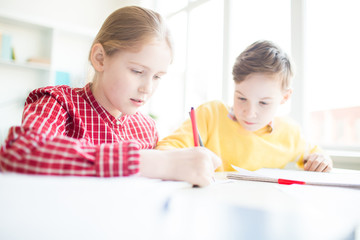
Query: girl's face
[[128, 79], [256, 100]]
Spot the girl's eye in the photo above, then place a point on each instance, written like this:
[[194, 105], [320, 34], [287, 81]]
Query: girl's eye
[[157, 77], [263, 103], [136, 71], [242, 99]]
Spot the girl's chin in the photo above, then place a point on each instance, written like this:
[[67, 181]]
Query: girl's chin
[[129, 112]]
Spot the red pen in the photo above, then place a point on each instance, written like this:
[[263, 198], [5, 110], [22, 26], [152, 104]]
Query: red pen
[[194, 127], [196, 134]]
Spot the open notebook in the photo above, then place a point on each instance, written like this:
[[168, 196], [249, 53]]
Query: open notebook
[[349, 179]]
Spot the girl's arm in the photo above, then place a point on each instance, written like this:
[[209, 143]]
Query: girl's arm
[[194, 165], [40, 146]]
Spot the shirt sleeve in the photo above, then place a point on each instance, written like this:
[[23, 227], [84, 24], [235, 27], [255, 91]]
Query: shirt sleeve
[[40, 146]]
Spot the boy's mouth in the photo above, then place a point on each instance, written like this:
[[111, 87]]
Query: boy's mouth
[[249, 123]]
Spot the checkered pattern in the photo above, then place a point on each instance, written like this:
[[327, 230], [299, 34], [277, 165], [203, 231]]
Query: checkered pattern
[[65, 131]]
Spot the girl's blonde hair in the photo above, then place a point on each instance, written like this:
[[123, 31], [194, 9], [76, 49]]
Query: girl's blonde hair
[[128, 28], [263, 57]]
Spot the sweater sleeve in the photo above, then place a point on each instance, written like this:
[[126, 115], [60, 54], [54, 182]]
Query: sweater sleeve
[[183, 136], [40, 146], [180, 138], [303, 147], [308, 149]]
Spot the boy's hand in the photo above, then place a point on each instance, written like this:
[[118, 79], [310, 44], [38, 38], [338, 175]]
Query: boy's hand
[[317, 162]]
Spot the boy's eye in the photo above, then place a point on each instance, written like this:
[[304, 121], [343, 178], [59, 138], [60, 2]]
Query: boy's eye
[[263, 103], [242, 99]]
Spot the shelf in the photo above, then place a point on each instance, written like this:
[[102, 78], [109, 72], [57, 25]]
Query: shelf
[[34, 66], [42, 48]]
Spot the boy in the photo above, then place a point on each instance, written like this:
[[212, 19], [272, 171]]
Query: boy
[[248, 135]]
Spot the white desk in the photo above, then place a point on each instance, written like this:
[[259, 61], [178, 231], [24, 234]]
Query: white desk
[[36, 207]]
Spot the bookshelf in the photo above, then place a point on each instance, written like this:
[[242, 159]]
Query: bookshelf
[[42, 49], [30, 65]]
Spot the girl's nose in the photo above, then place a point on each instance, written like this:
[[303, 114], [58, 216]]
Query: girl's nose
[[146, 86]]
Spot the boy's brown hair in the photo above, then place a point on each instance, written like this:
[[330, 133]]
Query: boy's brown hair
[[263, 57]]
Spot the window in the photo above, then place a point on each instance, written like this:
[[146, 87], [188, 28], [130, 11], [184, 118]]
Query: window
[[332, 78], [196, 73], [259, 20], [255, 20]]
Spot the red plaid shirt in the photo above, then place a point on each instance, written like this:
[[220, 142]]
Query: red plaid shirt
[[65, 131]]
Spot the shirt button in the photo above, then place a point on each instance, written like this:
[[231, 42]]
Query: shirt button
[[117, 122]]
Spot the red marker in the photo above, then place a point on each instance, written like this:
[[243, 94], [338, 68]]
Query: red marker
[[289, 182]]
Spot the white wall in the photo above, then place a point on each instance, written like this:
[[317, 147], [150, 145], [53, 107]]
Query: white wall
[[81, 13]]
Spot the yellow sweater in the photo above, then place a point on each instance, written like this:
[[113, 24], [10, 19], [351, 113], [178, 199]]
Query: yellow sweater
[[269, 147]]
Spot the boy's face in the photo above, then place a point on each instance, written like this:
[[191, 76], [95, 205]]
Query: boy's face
[[128, 79], [256, 100]]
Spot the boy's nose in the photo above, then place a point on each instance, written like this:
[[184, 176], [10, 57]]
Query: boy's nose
[[250, 112]]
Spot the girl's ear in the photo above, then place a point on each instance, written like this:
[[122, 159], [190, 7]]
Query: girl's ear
[[97, 57], [286, 95]]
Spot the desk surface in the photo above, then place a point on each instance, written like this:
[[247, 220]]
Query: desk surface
[[41, 207]]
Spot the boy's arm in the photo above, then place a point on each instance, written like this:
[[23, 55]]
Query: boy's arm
[[181, 138], [40, 146], [318, 162], [314, 159]]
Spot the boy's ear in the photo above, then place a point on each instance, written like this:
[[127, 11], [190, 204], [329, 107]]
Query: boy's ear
[[97, 57], [286, 95]]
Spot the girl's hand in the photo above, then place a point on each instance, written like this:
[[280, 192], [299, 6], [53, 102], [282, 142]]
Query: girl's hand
[[194, 165], [318, 163]]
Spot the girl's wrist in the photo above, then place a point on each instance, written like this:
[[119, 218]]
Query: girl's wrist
[[155, 164]]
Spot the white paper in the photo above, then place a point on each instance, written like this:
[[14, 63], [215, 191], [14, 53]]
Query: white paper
[[246, 172], [337, 178]]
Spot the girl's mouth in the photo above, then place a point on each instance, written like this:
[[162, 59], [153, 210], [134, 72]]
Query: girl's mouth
[[137, 101]]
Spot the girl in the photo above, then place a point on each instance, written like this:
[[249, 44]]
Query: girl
[[97, 130]]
